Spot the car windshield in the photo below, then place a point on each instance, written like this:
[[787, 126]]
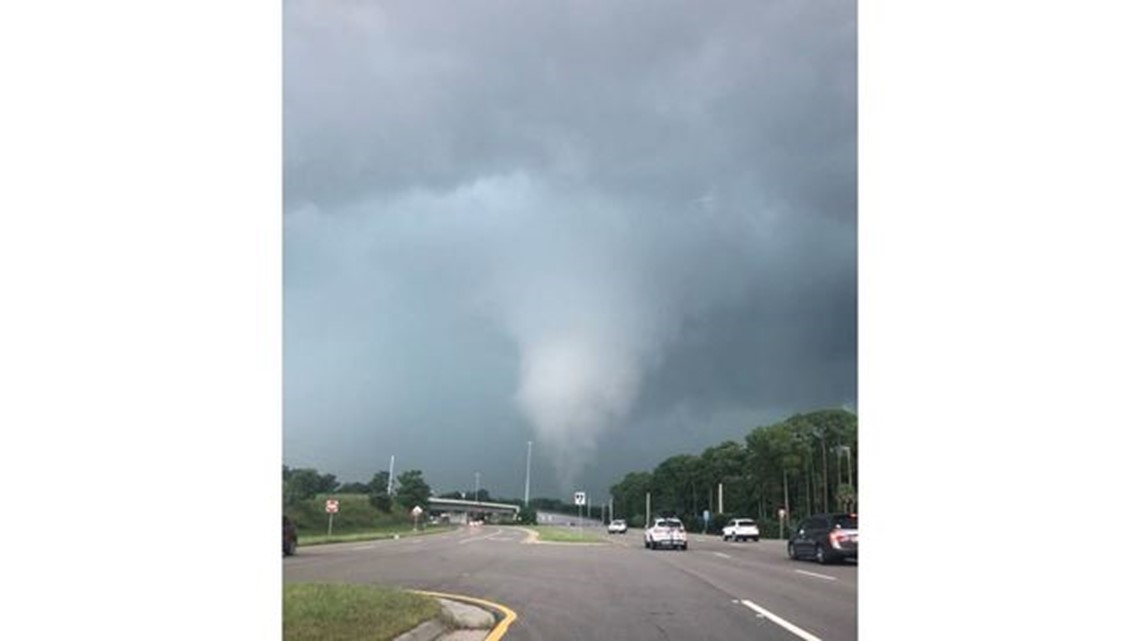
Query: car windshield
[[669, 523], [847, 522]]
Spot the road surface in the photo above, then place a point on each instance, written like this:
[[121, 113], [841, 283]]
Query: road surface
[[612, 590]]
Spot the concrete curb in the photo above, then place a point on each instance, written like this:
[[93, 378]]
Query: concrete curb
[[463, 618], [426, 631]]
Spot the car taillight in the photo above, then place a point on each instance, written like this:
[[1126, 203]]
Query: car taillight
[[837, 538]]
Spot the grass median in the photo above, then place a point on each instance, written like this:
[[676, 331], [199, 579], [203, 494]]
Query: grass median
[[559, 534], [336, 612], [371, 535]]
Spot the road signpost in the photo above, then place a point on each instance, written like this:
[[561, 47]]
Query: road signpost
[[579, 500], [416, 512], [332, 506], [783, 515]]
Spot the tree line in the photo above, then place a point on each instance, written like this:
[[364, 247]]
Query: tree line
[[410, 489], [305, 483], [805, 464]]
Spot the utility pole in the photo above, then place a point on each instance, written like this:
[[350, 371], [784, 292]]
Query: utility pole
[[391, 471], [720, 498], [526, 490], [787, 508], [476, 487], [648, 519]]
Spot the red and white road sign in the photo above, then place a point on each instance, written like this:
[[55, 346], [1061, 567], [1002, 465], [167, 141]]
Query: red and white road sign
[[332, 506]]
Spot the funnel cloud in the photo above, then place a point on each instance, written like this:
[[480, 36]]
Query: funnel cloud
[[622, 232]]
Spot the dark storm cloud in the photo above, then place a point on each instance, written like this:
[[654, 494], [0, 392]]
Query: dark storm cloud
[[574, 222]]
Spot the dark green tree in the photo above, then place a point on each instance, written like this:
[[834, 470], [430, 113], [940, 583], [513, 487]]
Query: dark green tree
[[412, 490], [379, 483], [382, 502], [528, 516], [674, 485], [302, 485], [378, 495], [629, 495], [327, 484]]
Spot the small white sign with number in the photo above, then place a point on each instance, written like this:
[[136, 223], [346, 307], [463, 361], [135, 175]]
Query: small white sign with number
[[579, 498], [331, 506]]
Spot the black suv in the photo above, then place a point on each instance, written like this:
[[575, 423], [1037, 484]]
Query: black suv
[[825, 538], [289, 536]]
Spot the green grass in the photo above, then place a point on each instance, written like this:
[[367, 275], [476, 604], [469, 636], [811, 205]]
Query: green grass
[[564, 534], [331, 612], [355, 515], [371, 535]]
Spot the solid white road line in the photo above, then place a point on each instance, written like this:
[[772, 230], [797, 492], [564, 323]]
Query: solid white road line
[[799, 632], [363, 547], [822, 576], [722, 555]]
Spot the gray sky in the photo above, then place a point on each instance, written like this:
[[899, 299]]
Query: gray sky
[[620, 230]]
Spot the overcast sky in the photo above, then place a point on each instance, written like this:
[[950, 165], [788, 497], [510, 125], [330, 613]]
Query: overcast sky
[[623, 230]]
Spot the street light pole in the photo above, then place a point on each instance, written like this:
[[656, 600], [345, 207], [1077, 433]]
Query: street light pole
[[526, 490], [476, 487], [391, 471], [787, 507]]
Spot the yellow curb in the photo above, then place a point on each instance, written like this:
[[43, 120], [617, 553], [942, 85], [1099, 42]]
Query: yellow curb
[[499, 630]]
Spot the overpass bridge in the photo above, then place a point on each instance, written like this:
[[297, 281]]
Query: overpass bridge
[[463, 511]]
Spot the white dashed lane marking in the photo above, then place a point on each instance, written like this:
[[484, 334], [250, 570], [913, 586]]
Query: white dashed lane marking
[[821, 576], [790, 627]]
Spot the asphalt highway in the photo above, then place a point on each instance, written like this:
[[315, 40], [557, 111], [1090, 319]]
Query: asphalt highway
[[612, 590]]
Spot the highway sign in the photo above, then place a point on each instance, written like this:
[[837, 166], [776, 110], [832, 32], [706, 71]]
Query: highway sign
[[579, 498], [332, 506], [417, 510]]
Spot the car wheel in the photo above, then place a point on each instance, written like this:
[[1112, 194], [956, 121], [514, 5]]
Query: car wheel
[[290, 548], [791, 551], [684, 546], [725, 537], [820, 555]]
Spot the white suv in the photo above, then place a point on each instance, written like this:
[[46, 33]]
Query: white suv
[[738, 529], [617, 526], [666, 533]]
